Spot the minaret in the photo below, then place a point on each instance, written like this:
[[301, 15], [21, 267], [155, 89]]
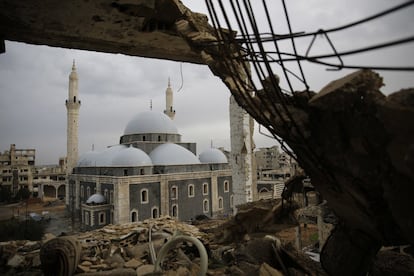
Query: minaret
[[72, 105], [169, 110]]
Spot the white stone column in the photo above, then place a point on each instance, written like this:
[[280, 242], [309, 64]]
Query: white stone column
[[214, 193], [121, 201], [165, 197]]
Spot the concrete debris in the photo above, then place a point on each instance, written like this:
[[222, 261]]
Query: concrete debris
[[117, 250]]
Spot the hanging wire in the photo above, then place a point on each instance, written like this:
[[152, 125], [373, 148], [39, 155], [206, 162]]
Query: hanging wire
[[182, 77]]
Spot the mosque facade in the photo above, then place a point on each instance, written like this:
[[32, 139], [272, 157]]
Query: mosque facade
[[150, 173]]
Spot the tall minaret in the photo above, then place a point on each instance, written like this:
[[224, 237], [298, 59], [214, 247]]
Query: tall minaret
[[169, 110], [72, 105]]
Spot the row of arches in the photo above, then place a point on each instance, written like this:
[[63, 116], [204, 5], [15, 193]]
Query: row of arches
[[55, 191]]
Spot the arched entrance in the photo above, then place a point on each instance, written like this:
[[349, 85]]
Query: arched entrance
[[49, 191], [61, 192]]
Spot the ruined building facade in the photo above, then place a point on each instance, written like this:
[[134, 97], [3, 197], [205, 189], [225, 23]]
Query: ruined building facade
[[17, 168]]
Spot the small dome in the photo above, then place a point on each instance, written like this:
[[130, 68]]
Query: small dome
[[150, 122], [213, 156], [131, 157], [96, 199], [172, 154], [104, 159], [88, 159]]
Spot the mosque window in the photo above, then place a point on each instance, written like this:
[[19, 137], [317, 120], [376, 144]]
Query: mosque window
[[205, 205], [134, 215], [82, 192], [111, 197], [174, 192], [125, 172], [159, 138], [191, 190], [88, 192], [226, 186], [174, 212], [231, 201], [154, 212], [102, 218], [142, 171], [205, 188], [143, 138], [106, 195], [144, 196], [220, 203]]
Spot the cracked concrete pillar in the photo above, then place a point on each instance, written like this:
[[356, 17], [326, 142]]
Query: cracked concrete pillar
[[242, 157]]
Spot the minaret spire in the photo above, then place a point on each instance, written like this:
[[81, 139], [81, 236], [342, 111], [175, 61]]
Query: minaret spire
[[169, 110], [72, 106]]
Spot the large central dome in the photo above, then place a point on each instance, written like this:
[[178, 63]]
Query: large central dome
[[150, 122]]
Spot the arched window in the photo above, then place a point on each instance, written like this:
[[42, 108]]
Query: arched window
[[106, 195], [154, 212], [205, 188], [144, 196], [134, 215], [159, 138], [226, 186], [191, 190], [82, 192], [231, 201], [174, 192], [88, 192], [205, 205], [143, 138], [220, 203], [174, 211]]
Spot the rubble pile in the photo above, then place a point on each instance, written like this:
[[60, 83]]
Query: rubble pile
[[140, 248]]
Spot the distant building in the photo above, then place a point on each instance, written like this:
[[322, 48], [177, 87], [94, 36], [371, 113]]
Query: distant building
[[150, 173], [17, 168], [274, 168], [50, 180]]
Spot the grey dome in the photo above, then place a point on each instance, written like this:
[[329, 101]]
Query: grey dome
[[172, 154], [131, 157], [104, 159], [96, 199], [150, 122], [213, 156], [88, 159]]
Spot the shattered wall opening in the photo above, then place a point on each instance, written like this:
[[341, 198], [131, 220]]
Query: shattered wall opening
[[355, 143]]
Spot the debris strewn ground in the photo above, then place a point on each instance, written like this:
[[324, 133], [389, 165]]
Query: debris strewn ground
[[133, 249]]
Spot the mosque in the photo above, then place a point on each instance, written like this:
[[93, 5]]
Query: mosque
[[150, 173]]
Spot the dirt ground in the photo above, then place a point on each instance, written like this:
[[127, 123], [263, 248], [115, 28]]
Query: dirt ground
[[32, 205], [51, 208]]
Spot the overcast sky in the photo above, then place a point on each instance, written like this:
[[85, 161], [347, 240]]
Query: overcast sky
[[113, 88]]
